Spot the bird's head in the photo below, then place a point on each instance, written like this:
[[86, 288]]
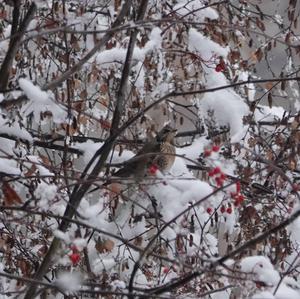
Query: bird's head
[[166, 134]]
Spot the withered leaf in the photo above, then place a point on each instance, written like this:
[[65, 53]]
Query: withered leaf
[[103, 246], [45, 160], [288, 38], [259, 54], [104, 88], [269, 85], [105, 124], [10, 195], [30, 171], [260, 24], [270, 100]]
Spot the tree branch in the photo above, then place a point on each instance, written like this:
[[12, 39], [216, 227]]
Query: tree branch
[[15, 42]]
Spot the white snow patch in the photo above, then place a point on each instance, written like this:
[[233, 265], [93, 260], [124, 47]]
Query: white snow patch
[[206, 47], [103, 264], [40, 101], [228, 107], [62, 235], [118, 54], [15, 130], [69, 281], [265, 113], [80, 243], [262, 268], [45, 193], [263, 295], [9, 167], [184, 8]]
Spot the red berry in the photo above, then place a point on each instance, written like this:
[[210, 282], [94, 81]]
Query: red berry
[[296, 187], [236, 203], [222, 209], [221, 66], [217, 170], [211, 173], [215, 148], [218, 68], [75, 258], [229, 210], [166, 270], [153, 169], [207, 153], [209, 210], [223, 176], [219, 181], [240, 198], [233, 194]]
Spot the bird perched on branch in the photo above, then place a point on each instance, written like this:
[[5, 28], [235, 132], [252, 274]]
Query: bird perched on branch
[[158, 153]]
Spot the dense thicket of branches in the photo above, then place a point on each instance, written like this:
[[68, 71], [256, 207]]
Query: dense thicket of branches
[[83, 85]]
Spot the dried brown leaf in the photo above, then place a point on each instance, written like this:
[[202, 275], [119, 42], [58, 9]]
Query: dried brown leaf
[[270, 100], [10, 195], [103, 246], [259, 54]]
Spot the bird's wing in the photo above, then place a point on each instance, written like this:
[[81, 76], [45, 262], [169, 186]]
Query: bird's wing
[[140, 161]]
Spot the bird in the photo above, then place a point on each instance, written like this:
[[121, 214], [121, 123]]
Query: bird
[[157, 153]]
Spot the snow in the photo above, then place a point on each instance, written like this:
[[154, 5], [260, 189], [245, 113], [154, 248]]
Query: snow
[[200, 13], [5, 42], [294, 229], [80, 243], [229, 108], [45, 193], [118, 54], [262, 268], [14, 129], [205, 46], [37, 162], [32, 91], [104, 264], [118, 284], [285, 292], [62, 235], [89, 149], [90, 210], [9, 167], [69, 281], [40, 101], [193, 151], [265, 113], [224, 103], [263, 295]]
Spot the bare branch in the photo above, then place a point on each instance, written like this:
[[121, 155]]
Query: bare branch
[[15, 42]]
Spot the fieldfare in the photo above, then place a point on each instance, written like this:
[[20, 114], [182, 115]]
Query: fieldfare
[[158, 152]]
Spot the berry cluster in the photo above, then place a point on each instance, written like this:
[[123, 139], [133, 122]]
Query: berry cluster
[[237, 196], [208, 152], [227, 210], [217, 174]]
